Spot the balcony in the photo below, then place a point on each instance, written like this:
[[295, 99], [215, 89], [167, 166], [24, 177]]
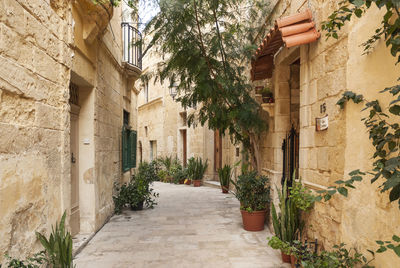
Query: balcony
[[132, 50]]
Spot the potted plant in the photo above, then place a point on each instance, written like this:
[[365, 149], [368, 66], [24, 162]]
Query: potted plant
[[267, 95], [197, 169], [254, 195], [224, 175], [138, 191], [178, 173], [287, 223]]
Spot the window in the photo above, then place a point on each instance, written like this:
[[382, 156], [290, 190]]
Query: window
[[129, 140], [153, 150]]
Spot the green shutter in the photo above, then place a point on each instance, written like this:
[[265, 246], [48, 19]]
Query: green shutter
[[125, 146], [133, 142]]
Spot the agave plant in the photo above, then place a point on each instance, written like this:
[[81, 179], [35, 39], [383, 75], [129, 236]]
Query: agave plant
[[225, 175], [287, 223], [59, 245]]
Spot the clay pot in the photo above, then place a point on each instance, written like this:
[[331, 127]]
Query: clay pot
[[253, 221], [224, 189], [196, 183], [138, 206], [293, 261], [188, 182], [285, 258]]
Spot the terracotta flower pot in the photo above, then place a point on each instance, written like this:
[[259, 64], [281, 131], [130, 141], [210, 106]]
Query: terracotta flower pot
[[224, 189], [188, 182], [293, 261], [253, 221], [196, 183], [285, 258]]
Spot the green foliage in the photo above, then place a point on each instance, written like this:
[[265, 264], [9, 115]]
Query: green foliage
[[389, 28], [178, 172], [287, 224], [36, 261], [275, 243], [224, 175], [138, 190], [58, 247], [341, 186], [302, 197], [384, 131], [340, 257], [392, 245], [196, 168], [252, 191], [206, 45]]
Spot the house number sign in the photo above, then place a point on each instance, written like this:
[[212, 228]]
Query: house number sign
[[322, 123]]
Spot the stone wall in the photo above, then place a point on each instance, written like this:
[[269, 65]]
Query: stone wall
[[34, 122], [327, 69], [44, 46]]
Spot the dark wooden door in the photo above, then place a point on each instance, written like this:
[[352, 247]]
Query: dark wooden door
[[184, 147], [217, 150]]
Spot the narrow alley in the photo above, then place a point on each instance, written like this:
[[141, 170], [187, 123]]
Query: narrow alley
[[190, 227]]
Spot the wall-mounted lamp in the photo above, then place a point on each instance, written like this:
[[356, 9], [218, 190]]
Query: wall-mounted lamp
[[173, 90]]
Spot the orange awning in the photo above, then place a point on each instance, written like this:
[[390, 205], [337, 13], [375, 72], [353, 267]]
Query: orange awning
[[298, 29]]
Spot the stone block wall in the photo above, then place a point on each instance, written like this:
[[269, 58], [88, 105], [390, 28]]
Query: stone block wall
[[35, 59], [327, 69]]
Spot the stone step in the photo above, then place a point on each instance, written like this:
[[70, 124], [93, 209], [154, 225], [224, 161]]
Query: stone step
[[213, 184]]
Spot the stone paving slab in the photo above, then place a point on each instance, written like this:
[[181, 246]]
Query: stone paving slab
[[190, 227]]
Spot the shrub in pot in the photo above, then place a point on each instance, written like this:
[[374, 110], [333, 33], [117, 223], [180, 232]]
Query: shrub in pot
[[138, 191], [254, 195], [224, 175], [178, 173]]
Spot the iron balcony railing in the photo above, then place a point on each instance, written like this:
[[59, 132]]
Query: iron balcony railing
[[132, 47]]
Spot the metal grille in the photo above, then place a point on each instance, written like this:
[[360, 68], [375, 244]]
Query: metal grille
[[73, 94], [290, 148], [132, 47]]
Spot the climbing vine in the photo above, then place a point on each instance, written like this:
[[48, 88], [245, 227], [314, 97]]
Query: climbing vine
[[383, 125]]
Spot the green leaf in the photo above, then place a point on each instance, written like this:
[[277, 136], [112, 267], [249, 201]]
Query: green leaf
[[343, 191], [379, 242], [358, 12], [358, 3], [396, 238], [395, 109]]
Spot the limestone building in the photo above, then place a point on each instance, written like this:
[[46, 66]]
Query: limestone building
[[307, 76], [68, 115]]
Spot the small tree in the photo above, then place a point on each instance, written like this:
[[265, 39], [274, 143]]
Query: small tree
[[207, 44]]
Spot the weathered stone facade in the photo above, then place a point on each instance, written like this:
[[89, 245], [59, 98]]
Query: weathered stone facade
[[44, 47], [323, 70]]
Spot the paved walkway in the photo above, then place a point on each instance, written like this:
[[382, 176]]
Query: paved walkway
[[190, 227]]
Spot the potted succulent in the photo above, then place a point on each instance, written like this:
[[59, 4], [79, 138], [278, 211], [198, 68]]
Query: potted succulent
[[197, 168], [287, 223], [254, 195], [224, 175]]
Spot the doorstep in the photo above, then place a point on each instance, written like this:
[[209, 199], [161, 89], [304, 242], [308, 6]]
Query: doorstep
[[213, 184], [80, 241]]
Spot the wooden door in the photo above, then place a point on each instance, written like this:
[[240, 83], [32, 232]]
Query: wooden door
[[74, 143], [217, 150], [184, 147]]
